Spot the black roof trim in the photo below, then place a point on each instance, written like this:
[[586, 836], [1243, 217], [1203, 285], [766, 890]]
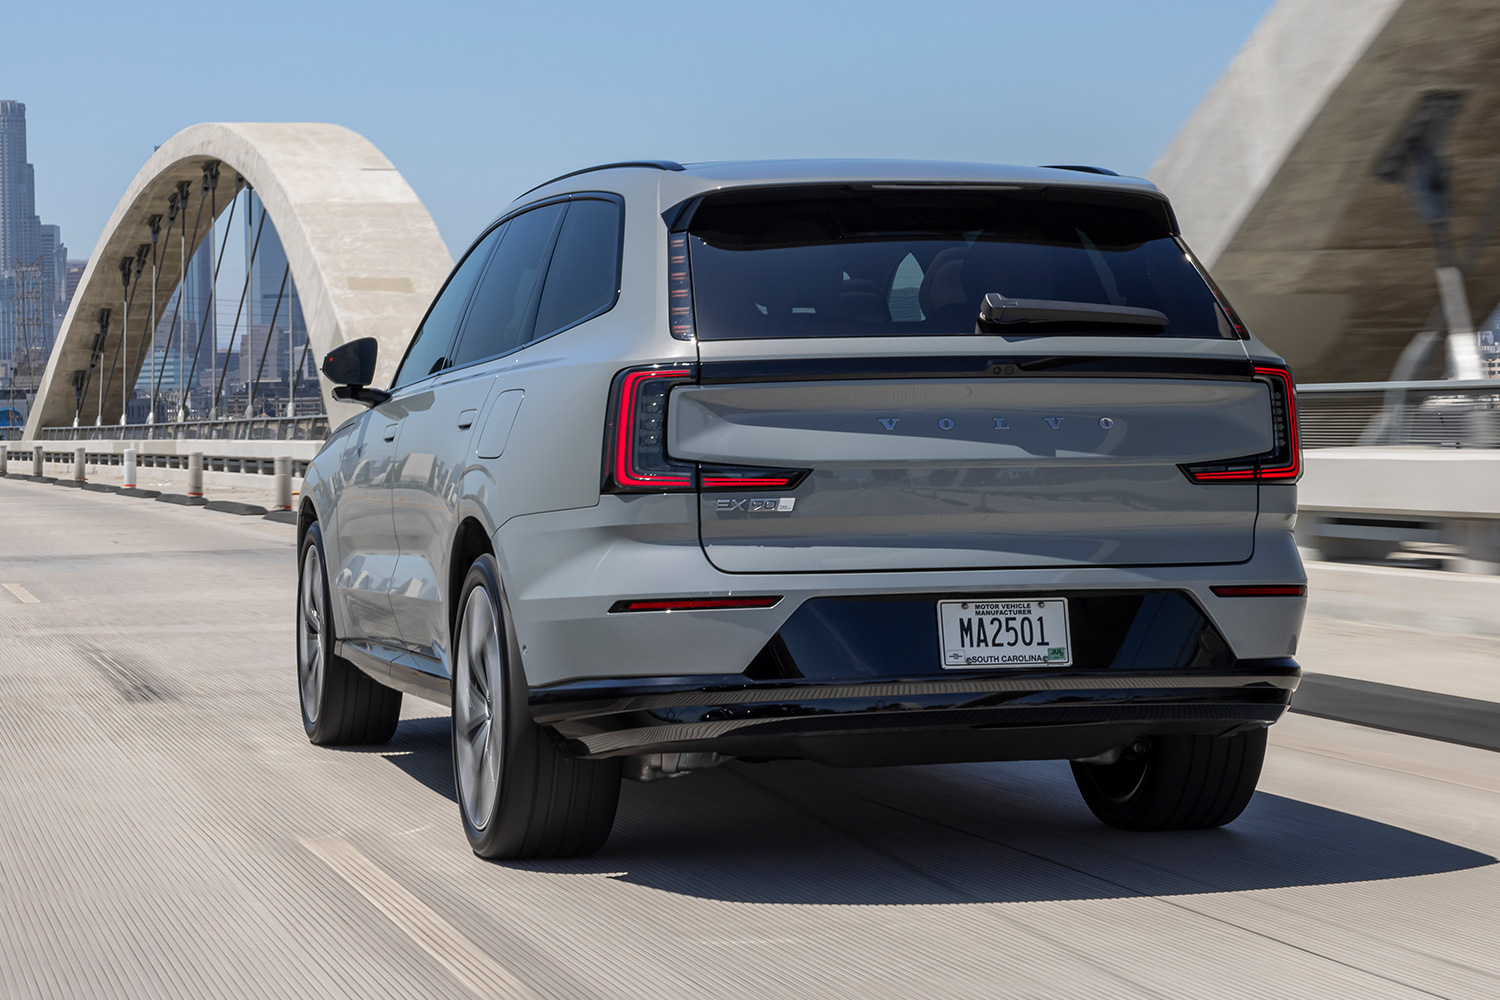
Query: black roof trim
[[657, 164], [1082, 168]]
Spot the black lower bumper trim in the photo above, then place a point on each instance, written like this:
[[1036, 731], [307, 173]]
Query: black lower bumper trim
[[990, 716]]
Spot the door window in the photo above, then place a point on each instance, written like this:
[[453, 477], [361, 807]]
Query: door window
[[583, 278], [429, 348], [497, 321]]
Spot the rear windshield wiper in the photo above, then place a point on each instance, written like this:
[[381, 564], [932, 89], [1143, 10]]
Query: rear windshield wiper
[[998, 309]]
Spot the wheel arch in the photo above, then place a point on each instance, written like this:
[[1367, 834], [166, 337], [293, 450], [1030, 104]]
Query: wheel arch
[[470, 541]]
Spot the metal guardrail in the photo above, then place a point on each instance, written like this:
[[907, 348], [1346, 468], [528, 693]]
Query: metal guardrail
[[1442, 414], [312, 427]]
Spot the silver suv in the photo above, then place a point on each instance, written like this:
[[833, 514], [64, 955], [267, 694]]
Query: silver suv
[[860, 462]]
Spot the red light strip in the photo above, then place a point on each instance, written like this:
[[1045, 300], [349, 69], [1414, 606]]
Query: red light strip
[[624, 471], [1261, 590], [1240, 474], [1294, 469], [697, 604], [736, 481]]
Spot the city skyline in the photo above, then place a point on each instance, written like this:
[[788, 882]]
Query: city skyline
[[33, 259]]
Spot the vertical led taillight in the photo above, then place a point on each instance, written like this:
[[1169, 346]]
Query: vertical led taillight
[[679, 287], [635, 442], [1284, 461], [635, 452]]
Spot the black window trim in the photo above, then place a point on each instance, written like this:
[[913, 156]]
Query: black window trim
[[528, 330]]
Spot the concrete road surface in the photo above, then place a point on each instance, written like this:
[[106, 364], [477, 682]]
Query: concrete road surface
[[167, 831]]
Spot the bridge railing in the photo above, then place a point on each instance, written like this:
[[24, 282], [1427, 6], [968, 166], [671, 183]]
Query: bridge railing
[[1413, 466], [312, 427], [1443, 414]]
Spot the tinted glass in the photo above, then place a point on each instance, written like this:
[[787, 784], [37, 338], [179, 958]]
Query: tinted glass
[[820, 263], [497, 317], [428, 350], [584, 274]]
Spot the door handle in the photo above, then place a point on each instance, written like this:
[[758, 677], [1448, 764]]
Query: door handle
[[390, 432], [466, 419]]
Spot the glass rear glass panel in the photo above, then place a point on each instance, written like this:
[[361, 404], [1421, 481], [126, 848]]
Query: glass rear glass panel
[[584, 274], [865, 263]]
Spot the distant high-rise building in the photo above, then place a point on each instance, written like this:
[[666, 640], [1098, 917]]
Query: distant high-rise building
[[33, 259], [54, 257], [19, 225], [73, 274], [199, 332]]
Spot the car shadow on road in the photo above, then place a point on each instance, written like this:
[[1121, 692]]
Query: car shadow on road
[[421, 748], [799, 832]]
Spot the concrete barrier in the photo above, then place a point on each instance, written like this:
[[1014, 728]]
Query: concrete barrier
[[1361, 503]]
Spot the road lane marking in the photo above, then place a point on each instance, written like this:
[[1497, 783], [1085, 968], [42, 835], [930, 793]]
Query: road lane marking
[[468, 963], [22, 594]]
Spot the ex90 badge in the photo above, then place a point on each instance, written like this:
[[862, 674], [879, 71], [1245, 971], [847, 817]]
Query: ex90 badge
[[756, 505]]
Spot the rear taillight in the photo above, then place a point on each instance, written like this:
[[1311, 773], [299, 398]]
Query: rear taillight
[[635, 435], [721, 478], [1283, 463]]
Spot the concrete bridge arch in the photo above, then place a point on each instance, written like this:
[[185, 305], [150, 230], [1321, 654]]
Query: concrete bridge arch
[[364, 255]]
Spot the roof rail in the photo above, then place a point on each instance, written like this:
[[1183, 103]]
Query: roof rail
[[1079, 167], [657, 164]]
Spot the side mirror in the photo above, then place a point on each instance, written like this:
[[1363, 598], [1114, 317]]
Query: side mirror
[[351, 369]]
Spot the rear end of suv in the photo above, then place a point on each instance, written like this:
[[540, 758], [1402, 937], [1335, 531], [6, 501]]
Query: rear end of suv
[[893, 463]]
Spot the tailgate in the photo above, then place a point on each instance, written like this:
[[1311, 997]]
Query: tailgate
[[969, 473]]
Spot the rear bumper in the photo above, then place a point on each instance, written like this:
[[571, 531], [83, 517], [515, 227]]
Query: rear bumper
[[858, 681], [565, 570], [972, 716]]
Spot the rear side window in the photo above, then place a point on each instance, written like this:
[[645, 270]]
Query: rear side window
[[428, 351], [584, 276], [860, 263], [497, 320]]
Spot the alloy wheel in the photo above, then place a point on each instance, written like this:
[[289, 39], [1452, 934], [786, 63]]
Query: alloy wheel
[[478, 719], [310, 625]]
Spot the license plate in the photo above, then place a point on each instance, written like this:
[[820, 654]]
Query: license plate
[[1020, 632]]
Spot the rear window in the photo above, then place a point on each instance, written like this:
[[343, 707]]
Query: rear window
[[852, 263]]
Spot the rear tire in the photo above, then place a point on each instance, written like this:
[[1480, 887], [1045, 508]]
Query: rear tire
[[341, 705], [1175, 782], [519, 796]]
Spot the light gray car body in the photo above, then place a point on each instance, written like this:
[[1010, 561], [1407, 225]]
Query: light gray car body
[[510, 451]]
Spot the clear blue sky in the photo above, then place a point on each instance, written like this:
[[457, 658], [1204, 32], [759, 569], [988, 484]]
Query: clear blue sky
[[475, 102]]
